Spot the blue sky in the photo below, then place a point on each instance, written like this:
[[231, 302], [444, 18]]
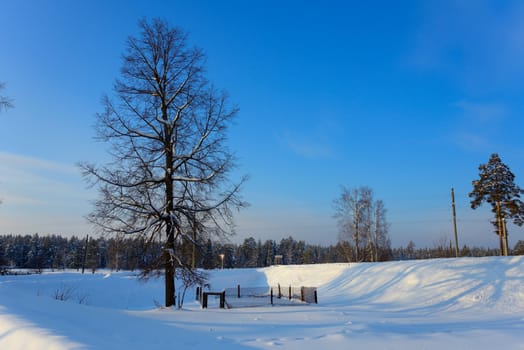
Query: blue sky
[[406, 97]]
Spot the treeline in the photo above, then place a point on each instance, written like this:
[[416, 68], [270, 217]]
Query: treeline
[[56, 252]]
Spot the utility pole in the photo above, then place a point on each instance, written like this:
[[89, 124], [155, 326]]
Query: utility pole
[[85, 254], [454, 222]]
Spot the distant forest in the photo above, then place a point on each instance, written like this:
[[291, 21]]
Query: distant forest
[[56, 252]]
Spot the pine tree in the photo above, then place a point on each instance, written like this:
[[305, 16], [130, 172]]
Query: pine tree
[[496, 186]]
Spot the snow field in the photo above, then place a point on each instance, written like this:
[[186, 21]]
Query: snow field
[[428, 304]]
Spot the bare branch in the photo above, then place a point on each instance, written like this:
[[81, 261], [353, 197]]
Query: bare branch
[[5, 102]]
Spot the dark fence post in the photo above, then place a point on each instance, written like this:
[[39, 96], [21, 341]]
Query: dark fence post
[[223, 300], [290, 295], [204, 301], [279, 291], [271, 295], [238, 290], [316, 300], [302, 294]]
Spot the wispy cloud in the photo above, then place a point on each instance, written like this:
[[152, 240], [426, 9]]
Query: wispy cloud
[[479, 43], [482, 112], [317, 140], [472, 142], [477, 124], [37, 180], [17, 161], [22, 200], [37, 192], [306, 146]]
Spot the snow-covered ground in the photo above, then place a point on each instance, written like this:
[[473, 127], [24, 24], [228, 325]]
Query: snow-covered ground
[[469, 303]]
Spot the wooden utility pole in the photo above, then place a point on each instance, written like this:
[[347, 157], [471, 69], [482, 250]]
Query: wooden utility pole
[[85, 254], [454, 222]]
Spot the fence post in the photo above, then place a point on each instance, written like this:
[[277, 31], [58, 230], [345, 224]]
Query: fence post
[[271, 295], [204, 301], [279, 291], [290, 295], [316, 300], [238, 290], [302, 294], [223, 299]]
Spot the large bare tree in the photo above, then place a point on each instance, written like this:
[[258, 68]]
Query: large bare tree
[[167, 127]]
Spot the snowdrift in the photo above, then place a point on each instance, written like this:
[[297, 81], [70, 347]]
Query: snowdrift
[[462, 303]]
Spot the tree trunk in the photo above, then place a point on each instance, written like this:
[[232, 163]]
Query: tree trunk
[[193, 246], [375, 240], [169, 275], [170, 210], [499, 229], [505, 236], [355, 238]]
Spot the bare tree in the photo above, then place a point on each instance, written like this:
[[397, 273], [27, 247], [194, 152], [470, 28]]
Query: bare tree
[[362, 223], [170, 163], [349, 212], [381, 241], [5, 102]]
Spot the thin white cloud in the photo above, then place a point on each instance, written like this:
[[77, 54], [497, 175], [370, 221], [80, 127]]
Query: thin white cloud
[[482, 112], [19, 171], [309, 149], [306, 145], [17, 161], [478, 124], [472, 142], [22, 200], [39, 195], [479, 43]]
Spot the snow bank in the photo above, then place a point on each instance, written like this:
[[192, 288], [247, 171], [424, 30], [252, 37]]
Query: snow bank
[[463, 303]]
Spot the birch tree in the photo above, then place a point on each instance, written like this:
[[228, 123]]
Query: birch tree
[[170, 165], [362, 223], [381, 242]]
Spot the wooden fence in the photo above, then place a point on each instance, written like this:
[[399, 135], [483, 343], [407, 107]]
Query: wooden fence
[[259, 296]]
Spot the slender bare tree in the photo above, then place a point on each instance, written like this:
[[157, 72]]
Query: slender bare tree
[[381, 242], [349, 212], [166, 126]]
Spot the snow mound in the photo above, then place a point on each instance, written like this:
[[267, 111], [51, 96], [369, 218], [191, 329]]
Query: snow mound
[[464, 303]]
